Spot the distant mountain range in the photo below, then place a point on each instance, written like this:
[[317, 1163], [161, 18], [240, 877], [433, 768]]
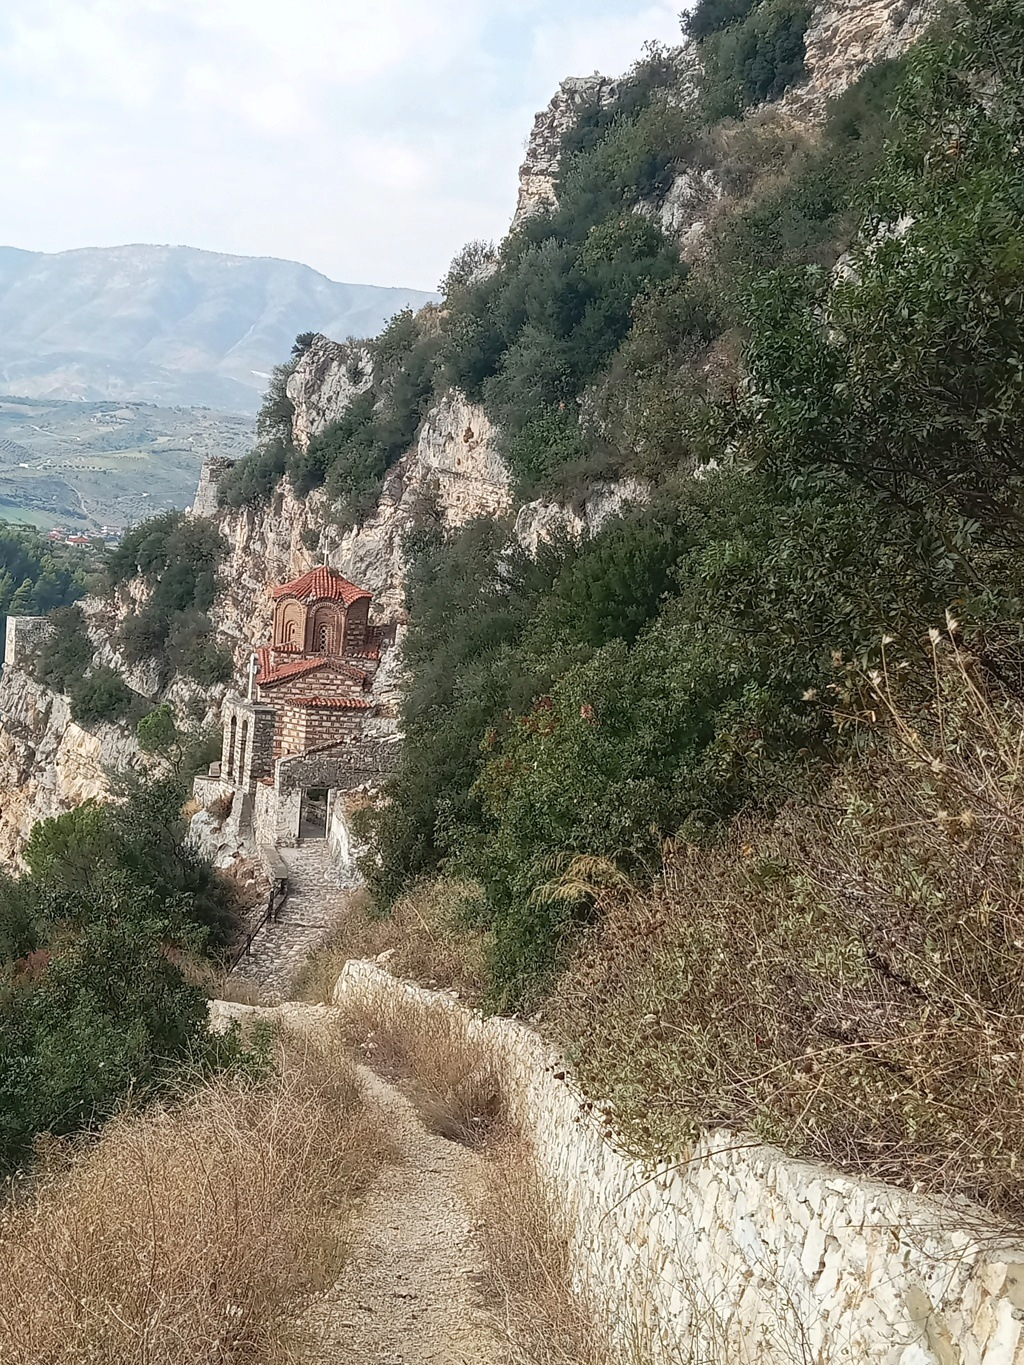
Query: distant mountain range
[[168, 324]]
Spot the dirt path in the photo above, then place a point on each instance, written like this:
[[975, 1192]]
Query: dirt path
[[408, 1294], [408, 1291]]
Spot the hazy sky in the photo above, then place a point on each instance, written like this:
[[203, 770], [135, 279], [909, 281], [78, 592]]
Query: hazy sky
[[370, 140]]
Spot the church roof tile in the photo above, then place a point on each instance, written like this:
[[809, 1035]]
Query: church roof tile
[[270, 674], [320, 585]]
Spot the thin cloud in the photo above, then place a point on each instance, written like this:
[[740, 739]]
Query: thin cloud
[[369, 141]]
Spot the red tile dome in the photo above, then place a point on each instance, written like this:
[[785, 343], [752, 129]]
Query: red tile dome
[[321, 585]]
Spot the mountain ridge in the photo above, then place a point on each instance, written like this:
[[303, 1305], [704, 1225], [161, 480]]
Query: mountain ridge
[[168, 324]]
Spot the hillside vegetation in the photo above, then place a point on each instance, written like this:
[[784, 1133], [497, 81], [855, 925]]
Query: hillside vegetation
[[737, 779], [37, 577], [102, 946]]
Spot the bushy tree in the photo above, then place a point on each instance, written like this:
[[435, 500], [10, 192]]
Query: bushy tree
[[905, 372], [96, 1000], [102, 695], [102, 1014], [178, 558]]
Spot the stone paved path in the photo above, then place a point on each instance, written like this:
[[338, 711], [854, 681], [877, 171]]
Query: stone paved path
[[313, 907]]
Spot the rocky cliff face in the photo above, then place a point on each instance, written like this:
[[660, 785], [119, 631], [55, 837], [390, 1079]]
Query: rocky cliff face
[[844, 38], [327, 379], [48, 764], [538, 174]]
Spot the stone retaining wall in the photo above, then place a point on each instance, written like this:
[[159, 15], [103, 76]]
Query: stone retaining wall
[[343, 767], [739, 1254]]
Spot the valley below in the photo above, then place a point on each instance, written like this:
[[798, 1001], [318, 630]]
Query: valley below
[[89, 465]]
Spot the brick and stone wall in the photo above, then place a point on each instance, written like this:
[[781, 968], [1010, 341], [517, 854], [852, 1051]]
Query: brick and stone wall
[[247, 752], [276, 816], [291, 730], [346, 849], [357, 624], [301, 728], [736, 1253], [320, 682]]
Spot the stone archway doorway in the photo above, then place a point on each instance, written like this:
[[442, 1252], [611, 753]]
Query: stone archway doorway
[[313, 814]]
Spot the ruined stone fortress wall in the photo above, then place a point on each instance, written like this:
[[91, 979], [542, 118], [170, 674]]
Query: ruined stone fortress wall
[[23, 636], [739, 1254]]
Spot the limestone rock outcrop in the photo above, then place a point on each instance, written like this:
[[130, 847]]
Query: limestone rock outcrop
[[324, 383], [844, 38], [48, 763], [538, 523], [538, 175]]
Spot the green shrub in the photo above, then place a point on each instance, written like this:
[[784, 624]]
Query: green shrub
[[252, 480], [157, 732], [656, 73], [711, 16], [905, 372], [109, 1017], [101, 696], [97, 1002], [834, 981], [352, 455], [66, 652], [64, 664], [144, 635], [187, 748], [178, 558], [192, 650], [756, 60], [813, 215], [36, 577]]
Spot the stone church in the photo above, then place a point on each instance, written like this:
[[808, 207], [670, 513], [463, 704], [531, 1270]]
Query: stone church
[[296, 742]]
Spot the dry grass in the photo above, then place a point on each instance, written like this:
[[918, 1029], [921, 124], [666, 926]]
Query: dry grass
[[427, 934], [221, 806], [192, 1234], [846, 981], [540, 1318], [450, 1079], [235, 990]]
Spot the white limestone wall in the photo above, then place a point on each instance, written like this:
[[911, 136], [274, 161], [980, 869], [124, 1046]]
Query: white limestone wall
[[345, 848], [739, 1254], [276, 817]]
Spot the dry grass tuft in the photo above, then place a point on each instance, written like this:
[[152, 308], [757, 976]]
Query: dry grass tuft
[[428, 934], [528, 1279], [192, 1234], [449, 1078], [220, 808], [233, 989], [845, 982]]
